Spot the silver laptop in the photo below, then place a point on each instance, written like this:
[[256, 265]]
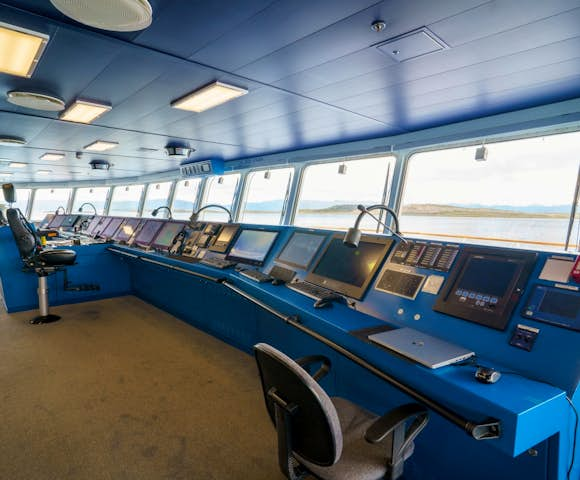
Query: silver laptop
[[420, 347]]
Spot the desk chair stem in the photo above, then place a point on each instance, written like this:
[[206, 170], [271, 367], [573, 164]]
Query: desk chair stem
[[45, 316]]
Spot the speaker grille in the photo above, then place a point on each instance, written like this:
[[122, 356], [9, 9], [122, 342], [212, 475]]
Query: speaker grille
[[36, 101]]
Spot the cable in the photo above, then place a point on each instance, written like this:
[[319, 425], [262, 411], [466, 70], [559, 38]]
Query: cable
[[573, 459]]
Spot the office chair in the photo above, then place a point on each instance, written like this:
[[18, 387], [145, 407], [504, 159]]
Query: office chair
[[332, 439], [3, 221], [35, 258]]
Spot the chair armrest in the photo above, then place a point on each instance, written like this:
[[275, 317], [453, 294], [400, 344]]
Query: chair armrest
[[396, 418], [306, 362]]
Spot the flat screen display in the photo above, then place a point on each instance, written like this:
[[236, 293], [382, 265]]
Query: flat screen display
[[253, 246], [69, 221], [485, 285], [46, 220], [127, 229], [225, 237], [101, 226], [148, 232], [301, 249], [112, 227], [167, 234], [349, 270], [554, 306], [56, 221], [94, 222]]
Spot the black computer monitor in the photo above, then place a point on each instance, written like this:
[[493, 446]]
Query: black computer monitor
[[56, 221], [112, 227], [148, 232], [349, 270], [94, 222], [252, 246], [69, 221], [225, 238], [301, 249], [485, 285], [167, 234], [126, 230]]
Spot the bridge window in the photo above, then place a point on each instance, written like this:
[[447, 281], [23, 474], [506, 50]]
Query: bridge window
[[125, 200], [519, 197], [157, 196], [331, 191], [186, 192], [267, 191], [95, 195], [22, 199], [220, 191], [48, 200]]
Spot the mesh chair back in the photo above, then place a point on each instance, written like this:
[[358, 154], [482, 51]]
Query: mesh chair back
[[316, 434], [23, 233]]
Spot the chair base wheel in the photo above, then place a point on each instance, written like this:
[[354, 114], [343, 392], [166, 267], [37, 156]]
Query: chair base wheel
[[45, 319]]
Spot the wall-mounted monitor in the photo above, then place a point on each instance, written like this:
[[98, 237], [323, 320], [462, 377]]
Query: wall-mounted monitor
[[56, 221], [126, 230], [349, 270], [252, 246], [301, 249], [114, 224], [148, 232], [166, 235], [485, 285], [225, 238]]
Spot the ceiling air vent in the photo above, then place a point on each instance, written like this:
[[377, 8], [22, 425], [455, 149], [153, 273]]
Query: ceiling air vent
[[35, 101], [113, 15], [202, 168], [412, 45]]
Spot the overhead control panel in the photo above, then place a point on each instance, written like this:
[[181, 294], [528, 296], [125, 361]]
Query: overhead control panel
[[485, 285]]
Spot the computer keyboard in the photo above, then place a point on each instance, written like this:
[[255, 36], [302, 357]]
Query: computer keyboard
[[256, 276], [218, 263], [313, 291]]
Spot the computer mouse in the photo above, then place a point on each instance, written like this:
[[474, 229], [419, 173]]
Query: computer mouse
[[487, 375]]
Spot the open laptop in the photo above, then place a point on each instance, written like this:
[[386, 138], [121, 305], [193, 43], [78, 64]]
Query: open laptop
[[420, 347]]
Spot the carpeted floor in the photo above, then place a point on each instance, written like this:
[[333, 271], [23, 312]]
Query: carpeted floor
[[121, 390]]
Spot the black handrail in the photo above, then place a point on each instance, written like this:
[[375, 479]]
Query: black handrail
[[486, 430]]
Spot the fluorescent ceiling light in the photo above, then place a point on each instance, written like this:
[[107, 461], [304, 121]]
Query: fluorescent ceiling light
[[6, 174], [43, 172], [209, 96], [52, 156], [12, 142], [82, 111], [20, 50], [100, 146], [17, 165]]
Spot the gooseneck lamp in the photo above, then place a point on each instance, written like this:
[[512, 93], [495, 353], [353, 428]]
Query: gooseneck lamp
[[353, 235], [164, 207], [195, 215]]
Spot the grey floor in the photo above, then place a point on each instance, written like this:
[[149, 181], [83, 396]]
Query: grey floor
[[121, 390]]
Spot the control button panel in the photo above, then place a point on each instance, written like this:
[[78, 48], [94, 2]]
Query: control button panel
[[433, 256], [524, 337]]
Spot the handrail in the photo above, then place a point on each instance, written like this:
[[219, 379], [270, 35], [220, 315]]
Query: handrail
[[183, 270], [486, 430], [121, 252]]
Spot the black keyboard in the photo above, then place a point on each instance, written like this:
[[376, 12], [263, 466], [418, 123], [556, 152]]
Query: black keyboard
[[256, 276], [218, 263], [313, 291]]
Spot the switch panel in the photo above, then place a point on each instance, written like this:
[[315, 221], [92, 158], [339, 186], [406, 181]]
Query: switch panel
[[524, 337]]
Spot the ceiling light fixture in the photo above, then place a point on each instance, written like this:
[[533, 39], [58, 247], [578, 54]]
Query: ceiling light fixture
[[44, 172], [17, 165], [52, 156], [114, 15], [12, 142], [6, 174], [83, 111], [100, 164], [208, 97], [35, 101], [100, 146], [20, 50]]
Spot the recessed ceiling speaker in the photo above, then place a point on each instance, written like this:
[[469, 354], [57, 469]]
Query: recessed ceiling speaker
[[180, 152], [35, 101], [12, 142], [113, 15]]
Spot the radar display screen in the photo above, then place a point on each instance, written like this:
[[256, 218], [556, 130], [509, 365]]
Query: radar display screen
[[148, 232], [301, 249], [167, 234], [253, 246]]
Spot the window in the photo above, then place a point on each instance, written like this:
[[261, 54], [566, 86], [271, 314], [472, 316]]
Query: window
[[267, 191], [519, 197], [22, 199], [157, 196], [48, 200], [125, 201], [220, 191], [331, 192], [96, 196], [186, 192]]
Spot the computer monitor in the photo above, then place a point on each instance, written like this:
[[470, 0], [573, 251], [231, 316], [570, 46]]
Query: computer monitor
[[112, 227], [148, 232], [101, 226], [45, 222], [94, 222], [225, 238], [485, 285], [347, 270], [252, 246], [166, 235], [126, 230], [301, 249], [56, 221], [69, 221]]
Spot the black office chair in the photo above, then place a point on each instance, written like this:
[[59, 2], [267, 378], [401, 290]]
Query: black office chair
[[331, 439], [3, 221], [35, 258]]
